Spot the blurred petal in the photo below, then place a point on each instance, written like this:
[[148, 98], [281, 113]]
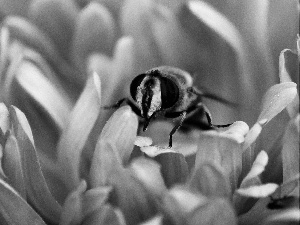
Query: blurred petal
[[276, 99], [209, 179], [26, 32], [174, 168], [121, 130], [74, 137], [94, 32], [4, 118], [258, 167], [187, 201], [148, 172], [136, 21], [253, 134], [289, 71], [14, 209], [223, 151], [95, 198], [106, 215], [57, 19], [290, 150], [12, 167], [258, 191], [196, 13], [4, 44], [16, 7], [72, 212], [37, 190], [291, 217], [157, 220], [106, 160], [217, 211], [51, 99]]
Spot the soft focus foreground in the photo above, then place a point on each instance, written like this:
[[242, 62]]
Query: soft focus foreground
[[65, 160]]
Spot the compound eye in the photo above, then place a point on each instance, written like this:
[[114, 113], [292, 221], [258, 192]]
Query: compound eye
[[135, 84], [169, 92]]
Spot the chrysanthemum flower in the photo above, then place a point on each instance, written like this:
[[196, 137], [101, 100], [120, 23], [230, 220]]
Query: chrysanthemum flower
[[65, 160]]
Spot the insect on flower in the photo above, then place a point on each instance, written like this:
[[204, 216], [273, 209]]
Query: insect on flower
[[168, 92]]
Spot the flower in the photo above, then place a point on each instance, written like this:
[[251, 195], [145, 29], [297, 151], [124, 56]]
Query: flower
[[66, 160]]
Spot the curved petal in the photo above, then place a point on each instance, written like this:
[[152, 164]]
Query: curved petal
[[94, 32], [75, 135], [36, 187], [14, 209], [57, 19]]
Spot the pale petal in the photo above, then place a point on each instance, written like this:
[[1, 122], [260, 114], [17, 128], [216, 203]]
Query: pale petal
[[121, 130], [276, 99], [52, 99], [288, 64], [72, 212], [238, 130], [94, 32], [57, 19], [14, 209], [36, 187], [210, 180], [258, 167], [12, 167], [217, 211], [148, 171], [26, 32], [258, 191], [156, 220], [224, 151], [4, 118], [74, 137], [291, 216], [15, 7], [290, 150]]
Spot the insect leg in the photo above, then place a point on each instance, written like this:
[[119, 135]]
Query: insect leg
[[177, 126], [209, 120]]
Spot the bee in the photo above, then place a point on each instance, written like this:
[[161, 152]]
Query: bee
[[168, 92]]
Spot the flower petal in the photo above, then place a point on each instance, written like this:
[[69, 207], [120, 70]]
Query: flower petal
[[258, 191], [148, 171], [95, 198], [136, 21], [224, 151], [107, 214], [72, 212], [217, 211], [290, 150], [50, 97], [14, 209], [37, 190], [257, 168], [4, 118], [121, 130], [237, 131], [194, 13], [74, 137], [276, 99], [94, 32], [15, 7], [57, 19], [209, 179], [291, 216], [174, 167], [22, 30], [12, 167]]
